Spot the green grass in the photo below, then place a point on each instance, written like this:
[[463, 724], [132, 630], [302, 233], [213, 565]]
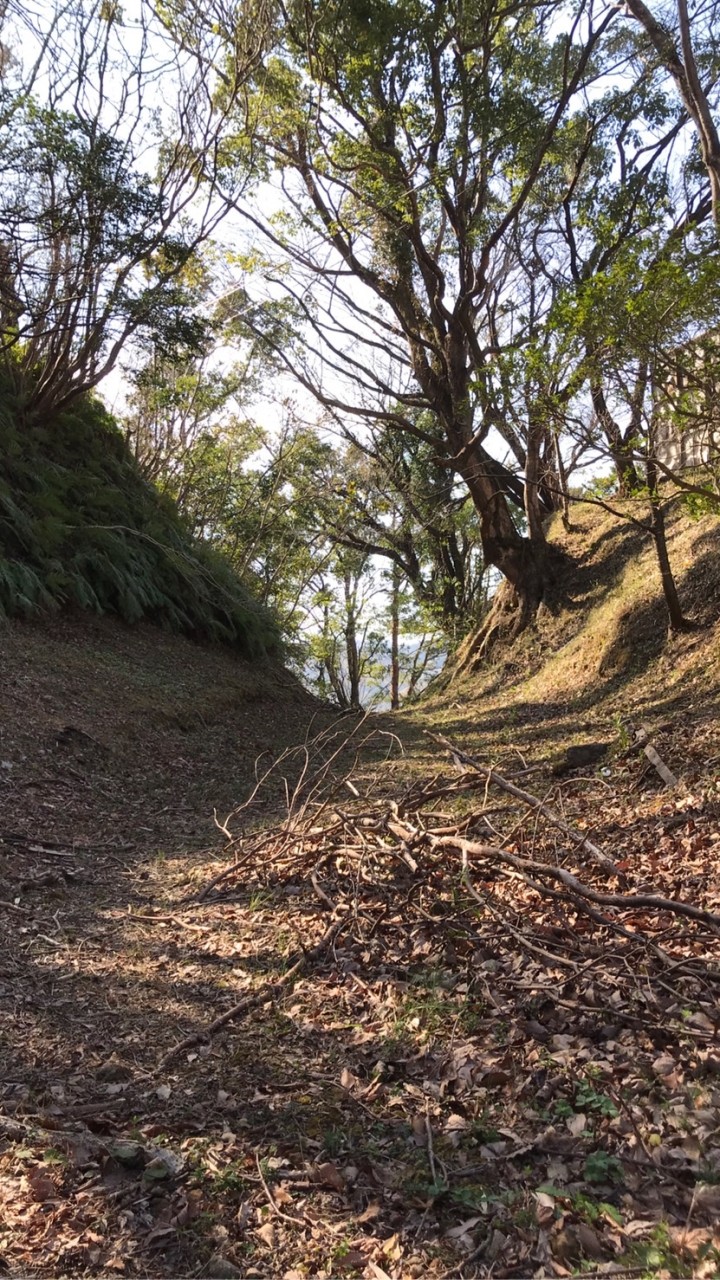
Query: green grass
[[80, 527]]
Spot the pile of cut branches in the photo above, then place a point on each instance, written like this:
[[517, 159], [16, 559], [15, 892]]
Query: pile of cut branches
[[563, 1048]]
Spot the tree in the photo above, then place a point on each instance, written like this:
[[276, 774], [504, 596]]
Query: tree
[[389, 497], [653, 308], [686, 46], [408, 140], [344, 643], [102, 202]]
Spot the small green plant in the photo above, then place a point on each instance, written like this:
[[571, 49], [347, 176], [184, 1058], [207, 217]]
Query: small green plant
[[230, 1179], [424, 1189], [334, 1140], [601, 1167], [258, 899], [588, 1099], [657, 1253], [562, 1109], [622, 731], [53, 1156], [471, 1197]]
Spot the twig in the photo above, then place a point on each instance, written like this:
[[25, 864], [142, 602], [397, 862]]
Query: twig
[[461, 758], [298, 1222], [627, 902], [268, 992], [430, 1151], [516, 933]]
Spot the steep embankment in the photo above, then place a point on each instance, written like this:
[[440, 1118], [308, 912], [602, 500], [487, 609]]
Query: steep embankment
[[133, 732], [79, 526]]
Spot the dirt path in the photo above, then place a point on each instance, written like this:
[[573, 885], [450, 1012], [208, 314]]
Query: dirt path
[[456, 1085]]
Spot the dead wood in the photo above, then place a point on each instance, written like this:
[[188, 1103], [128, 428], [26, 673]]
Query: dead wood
[[492, 776], [626, 901]]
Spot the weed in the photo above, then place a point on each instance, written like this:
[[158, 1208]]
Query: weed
[[470, 1197], [588, 1099], [230, 1179], [334, 1140], [601, 1167], [423, 1189], [259, 899], [657, 1253], [482, 1130], [53, 1156]]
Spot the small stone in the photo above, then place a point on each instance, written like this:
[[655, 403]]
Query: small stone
[[221, 1269], [130, 1154]]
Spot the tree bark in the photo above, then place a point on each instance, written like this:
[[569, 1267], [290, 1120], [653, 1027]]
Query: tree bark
[[677, 619], [529, 566], [395, 640], [352, 651], [620, 450], [533, 505]]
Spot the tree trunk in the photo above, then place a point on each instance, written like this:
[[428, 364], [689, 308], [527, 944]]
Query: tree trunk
[[678, 621], [395, 640], [533, 506], [530, 566], [562, 481], [352, 652], [620, 451]]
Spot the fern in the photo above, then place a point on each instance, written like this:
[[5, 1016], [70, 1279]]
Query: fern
[[80, 526]]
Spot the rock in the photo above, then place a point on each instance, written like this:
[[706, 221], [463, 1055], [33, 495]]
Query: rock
[[130, 1154], [164, 1164], [113, 1070], [581, 756], [221, 1269]]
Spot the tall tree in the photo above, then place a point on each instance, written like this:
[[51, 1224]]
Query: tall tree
[[103, 204], [407, 140], [685, 42]]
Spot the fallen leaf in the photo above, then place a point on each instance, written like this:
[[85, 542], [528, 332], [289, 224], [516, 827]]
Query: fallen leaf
[[378, 1271], [41, 1187], [267, 1234], [328, 1175]]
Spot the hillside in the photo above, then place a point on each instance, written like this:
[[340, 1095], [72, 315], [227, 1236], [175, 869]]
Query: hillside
[[80, 527], [369, 1030], [606, 655]]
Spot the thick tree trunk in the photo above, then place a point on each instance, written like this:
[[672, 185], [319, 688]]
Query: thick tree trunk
[[533, 506], [524, 562], [620, 451]]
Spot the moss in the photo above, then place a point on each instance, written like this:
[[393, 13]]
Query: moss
[[79, 526]]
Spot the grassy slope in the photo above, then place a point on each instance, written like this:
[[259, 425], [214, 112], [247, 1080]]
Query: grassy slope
[[79, 526], [606, 655]]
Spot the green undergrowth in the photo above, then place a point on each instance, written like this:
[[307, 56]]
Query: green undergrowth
[[79, 526]]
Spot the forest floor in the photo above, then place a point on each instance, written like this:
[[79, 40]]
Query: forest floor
[[394, 1020]]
